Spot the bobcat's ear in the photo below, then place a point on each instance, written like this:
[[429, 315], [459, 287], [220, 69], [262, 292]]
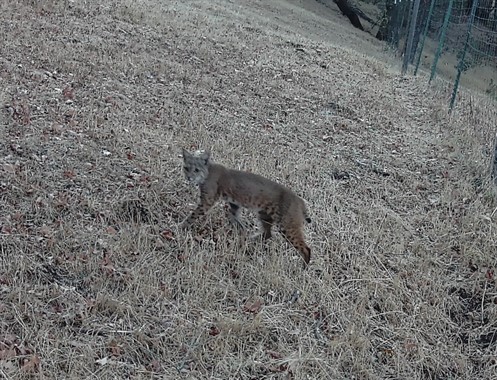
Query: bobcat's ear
[[206, 156], [185, 153]]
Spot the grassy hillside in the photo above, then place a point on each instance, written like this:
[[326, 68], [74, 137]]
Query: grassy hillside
[[96, 279]]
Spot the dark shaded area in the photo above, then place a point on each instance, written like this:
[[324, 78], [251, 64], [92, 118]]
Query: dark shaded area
[[348, 10], [393, 22], [463, 312]]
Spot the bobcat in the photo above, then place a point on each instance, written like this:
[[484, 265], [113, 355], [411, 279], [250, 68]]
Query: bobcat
[[274, 202]]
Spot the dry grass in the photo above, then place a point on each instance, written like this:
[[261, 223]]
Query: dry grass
[[97, 282]]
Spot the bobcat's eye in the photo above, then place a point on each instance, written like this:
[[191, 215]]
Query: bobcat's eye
[[196, 170]]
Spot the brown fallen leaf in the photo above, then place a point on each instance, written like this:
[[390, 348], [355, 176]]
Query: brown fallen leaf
[[214, 330], [6, 230], [107, 265], [253, 306], [145, 179], [45, 231], [167, 234], [115, 349], [153, 366], [68, 92], [489, 275], [278, 368], [163, 287], [111, 230], [69, 174], [56, 128], [182, 258], [17, 216], [274, 354], [31, 364]]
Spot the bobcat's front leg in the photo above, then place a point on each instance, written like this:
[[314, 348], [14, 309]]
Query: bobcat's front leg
[[206, 202], [234, 216]]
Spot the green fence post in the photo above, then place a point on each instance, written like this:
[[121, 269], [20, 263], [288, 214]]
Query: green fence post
[[441, 40], [425, 32], [413, 21], [460, 65]]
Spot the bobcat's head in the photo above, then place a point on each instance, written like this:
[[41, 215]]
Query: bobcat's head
[[196, 166]]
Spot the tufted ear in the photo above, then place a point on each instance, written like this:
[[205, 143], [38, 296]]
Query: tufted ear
[[205, 156]]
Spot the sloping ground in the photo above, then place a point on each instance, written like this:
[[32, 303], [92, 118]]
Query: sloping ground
[[96, 281]]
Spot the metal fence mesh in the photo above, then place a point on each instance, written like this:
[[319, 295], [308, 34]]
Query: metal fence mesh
[[452, 39]]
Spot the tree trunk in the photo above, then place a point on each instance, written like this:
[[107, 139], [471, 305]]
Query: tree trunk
[[348, 11]]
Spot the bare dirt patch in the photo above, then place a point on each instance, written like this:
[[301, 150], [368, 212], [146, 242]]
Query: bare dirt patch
[[97, 281]]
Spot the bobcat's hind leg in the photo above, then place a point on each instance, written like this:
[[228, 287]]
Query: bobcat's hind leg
[[295, 236], [234, 216], [267, 222]]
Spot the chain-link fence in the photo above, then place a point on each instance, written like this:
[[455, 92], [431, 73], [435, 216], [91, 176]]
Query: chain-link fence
[[454, 39]]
